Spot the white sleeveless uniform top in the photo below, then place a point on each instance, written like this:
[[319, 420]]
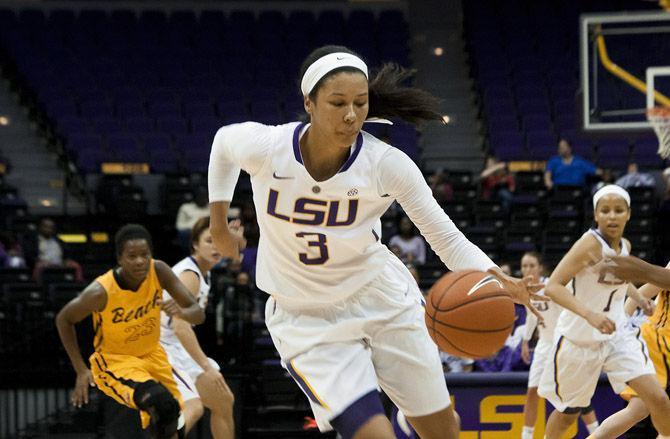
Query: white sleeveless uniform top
[[550, 312], [320, 241], [598, 293], [168, 337]]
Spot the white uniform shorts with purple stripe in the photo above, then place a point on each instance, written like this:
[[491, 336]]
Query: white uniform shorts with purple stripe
[[377, 337], [185, 370], [571, 375], [540, 357]]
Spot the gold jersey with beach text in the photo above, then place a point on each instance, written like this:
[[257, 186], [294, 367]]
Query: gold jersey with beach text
[[130, 322]]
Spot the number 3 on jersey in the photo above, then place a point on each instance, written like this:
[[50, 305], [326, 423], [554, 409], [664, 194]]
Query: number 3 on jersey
[[320, 243]]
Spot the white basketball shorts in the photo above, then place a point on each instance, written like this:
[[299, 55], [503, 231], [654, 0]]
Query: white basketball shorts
[[540, 356], [340, 352], [185, 370], [571, 375]]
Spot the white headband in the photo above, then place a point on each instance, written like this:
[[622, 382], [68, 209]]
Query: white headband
[[322, 66], [610, 189]]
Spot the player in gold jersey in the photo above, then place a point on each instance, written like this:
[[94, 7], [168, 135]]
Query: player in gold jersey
[[129, 364], [656, 334]]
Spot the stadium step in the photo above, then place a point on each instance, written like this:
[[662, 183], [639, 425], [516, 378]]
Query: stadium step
[[437, 24], [31, 164]]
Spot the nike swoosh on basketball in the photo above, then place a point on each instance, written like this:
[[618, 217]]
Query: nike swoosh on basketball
[[481, 283], [274, 175]]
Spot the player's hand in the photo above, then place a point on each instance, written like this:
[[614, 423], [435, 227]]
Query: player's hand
[[601, 322], [80, 393], [171, 308], [522, 291], [647, 306], [525, 352], [237, 232], [230, 240]]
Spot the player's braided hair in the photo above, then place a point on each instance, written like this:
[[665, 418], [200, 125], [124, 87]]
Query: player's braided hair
[[388, 97]]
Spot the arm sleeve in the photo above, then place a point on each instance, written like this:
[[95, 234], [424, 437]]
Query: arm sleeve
[[531, 324], [401, 178], [240, 146]]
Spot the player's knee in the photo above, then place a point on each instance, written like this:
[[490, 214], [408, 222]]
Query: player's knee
[[222, 403], [216, 399], [163, 408], [455, 423], [357, 414], [658, 400]]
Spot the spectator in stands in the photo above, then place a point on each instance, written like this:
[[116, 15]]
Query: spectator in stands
[[497, 183], [607, 177], [506, 268], [454, 364], [189, 213], [635, 178], [566, 169], [507, 359], [412, 246], [439, 184], [46, 250], [10, 252]]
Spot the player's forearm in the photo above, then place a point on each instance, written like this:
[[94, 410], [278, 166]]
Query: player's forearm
[[531, 324], [562, 296], [188, 339], [657, 276], [193, 314], [68, 336], [634, 294], [629, 307]]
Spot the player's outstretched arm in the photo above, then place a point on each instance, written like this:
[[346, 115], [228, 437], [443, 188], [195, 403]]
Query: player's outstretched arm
[[584, 252], [186, 307], [93, 298], [633, 269]]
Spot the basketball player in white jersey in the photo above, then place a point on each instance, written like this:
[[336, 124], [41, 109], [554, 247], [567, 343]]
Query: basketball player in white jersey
[[197, 376], [345, 314], [532, 265], [591, 335]]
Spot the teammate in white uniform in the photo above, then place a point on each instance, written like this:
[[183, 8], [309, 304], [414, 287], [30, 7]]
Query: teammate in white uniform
[[345, 314], [198, 378], [532, 265], [590, 334]]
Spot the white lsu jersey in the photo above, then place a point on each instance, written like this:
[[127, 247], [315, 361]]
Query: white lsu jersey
[[549, 311], [168, 337], [320, 240], [599, 292]]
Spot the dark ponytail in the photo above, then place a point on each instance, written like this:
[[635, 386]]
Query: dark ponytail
[[388, 98]]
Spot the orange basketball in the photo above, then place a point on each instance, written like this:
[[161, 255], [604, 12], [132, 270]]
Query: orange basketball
[[468, 314]]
